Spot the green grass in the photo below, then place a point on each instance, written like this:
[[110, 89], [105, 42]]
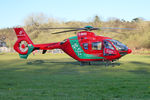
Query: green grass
[[59, 77]]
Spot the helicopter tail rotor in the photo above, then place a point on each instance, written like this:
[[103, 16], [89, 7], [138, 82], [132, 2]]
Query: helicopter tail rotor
[[24, 46]]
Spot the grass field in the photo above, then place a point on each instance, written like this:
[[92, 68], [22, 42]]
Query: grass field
[[59, 77]]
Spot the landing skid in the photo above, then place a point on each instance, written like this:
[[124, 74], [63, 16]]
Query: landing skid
[[83, 63], [105, 63]]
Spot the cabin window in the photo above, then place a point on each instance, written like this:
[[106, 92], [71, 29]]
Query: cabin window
[[85, 46], [97, 46]]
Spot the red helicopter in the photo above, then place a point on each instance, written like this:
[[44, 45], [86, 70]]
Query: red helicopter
[[85, 47]]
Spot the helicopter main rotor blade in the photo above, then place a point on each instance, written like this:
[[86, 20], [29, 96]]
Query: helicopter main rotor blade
[[102, 28], [60, 28], [76, 30], [64, 31], [113, 31], [86, 28]]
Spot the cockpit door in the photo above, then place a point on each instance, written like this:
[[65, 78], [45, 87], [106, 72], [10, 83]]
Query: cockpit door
[[108, 48]]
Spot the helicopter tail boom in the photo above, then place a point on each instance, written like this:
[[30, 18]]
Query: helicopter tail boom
[[48, 46]]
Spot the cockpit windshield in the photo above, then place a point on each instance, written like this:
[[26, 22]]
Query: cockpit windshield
[[119, 46]]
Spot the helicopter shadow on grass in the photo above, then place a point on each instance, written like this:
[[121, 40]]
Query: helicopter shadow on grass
[[42, 62], [67, 67], [76, 63], [143, 68], [54, 66]]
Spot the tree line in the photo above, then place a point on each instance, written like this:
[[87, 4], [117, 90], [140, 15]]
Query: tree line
[[135, 39]]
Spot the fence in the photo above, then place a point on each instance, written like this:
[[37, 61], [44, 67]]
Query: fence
[[7, 50]]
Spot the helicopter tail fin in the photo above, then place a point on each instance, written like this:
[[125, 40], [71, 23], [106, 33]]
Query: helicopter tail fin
[[24, 46]]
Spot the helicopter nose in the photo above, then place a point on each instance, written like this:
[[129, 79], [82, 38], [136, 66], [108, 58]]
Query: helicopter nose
[[129, 51]]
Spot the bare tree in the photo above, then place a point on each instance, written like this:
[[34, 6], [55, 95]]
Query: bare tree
[[97, 21], [35, 19]]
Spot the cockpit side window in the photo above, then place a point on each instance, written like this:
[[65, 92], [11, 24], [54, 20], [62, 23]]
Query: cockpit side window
[[85, 46], [97, 46], [108, 45]]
